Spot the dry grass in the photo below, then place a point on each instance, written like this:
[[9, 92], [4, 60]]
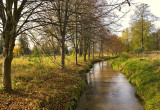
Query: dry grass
[[153, 55]]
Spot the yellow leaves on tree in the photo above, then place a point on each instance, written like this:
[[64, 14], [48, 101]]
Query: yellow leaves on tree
[[18, 49]]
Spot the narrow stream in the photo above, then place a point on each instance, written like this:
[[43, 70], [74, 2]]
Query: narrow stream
[[108, 90]]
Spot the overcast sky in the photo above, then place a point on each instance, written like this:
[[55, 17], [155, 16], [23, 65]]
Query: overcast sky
[[154, 8]]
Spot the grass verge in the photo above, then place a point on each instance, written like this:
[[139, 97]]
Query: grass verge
[[144, 74]]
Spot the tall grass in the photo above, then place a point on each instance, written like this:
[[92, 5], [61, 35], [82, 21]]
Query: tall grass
[[153, 55]]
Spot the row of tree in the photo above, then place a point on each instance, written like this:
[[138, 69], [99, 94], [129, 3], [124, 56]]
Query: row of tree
[[52, 23]]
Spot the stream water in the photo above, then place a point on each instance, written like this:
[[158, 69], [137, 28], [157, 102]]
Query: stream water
[[108, 90]]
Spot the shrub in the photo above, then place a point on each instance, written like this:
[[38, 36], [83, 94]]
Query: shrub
[[138, 50], [125, 56]]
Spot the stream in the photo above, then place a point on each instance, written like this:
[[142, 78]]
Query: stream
[[108, 90]]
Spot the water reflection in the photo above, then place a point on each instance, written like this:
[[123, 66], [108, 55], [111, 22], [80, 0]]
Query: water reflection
[[108, 90]]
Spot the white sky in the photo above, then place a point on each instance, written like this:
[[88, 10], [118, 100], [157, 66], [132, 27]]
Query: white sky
[[154, 8]]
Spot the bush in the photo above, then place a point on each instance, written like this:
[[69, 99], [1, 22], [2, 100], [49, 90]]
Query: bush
[[125, 56], [138, 50]]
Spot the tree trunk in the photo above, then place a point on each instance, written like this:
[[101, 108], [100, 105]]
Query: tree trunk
[[157, 42], [81, 48], [63, 54], [84, 55], [9, 43], [76, 36], [85, 48], [142, 46], [76, 56], [6, 71], [63, 33], [102, 52], [89, 54], [93, 51], [142, 43]]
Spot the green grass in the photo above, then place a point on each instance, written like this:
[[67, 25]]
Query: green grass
[[39, 83], [144, 74]]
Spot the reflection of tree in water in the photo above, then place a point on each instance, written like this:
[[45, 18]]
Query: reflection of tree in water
[[91, 77], [101, 67]]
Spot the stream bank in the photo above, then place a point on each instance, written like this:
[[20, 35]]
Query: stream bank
[[144, 75], [107, 90]]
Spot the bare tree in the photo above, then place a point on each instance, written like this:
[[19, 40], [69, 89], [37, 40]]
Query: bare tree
[[14, 14]]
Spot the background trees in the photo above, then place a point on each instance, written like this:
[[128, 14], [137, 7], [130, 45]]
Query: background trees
[[23, 40], [126, 39], [138, 39], [140, 18], [142, 34], [156, 40]]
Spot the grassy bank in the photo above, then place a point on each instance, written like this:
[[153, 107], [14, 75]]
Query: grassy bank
[[39, 83], [143, 71]]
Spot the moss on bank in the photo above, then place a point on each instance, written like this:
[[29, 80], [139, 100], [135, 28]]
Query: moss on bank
[[144, 74]]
